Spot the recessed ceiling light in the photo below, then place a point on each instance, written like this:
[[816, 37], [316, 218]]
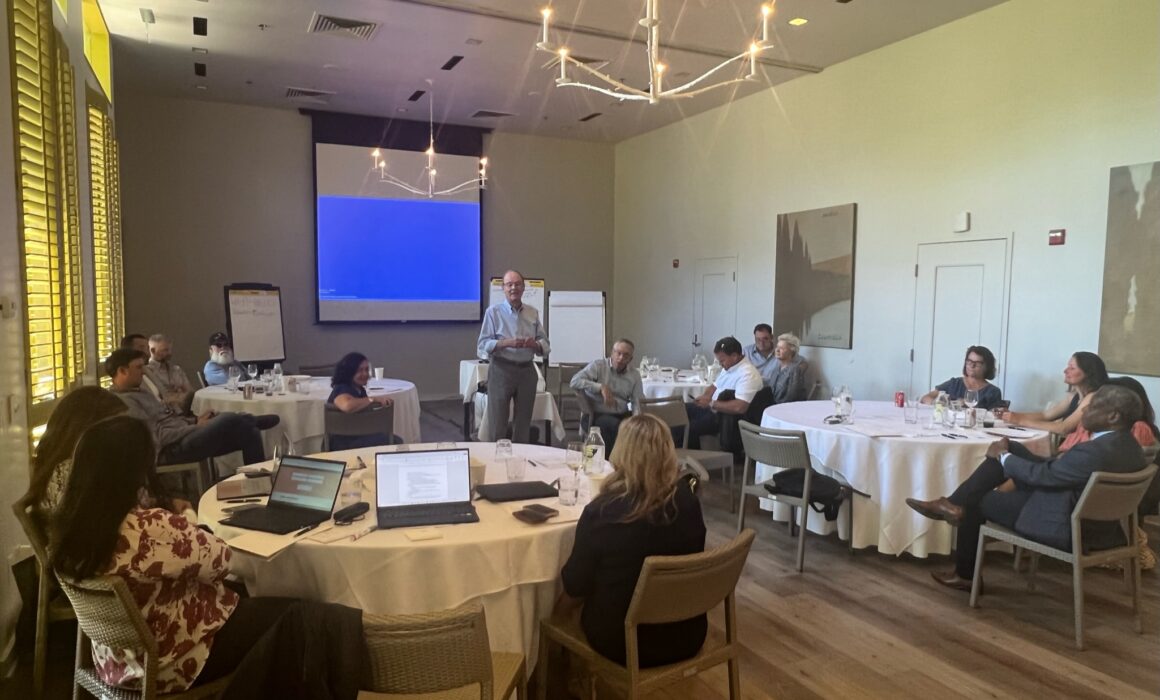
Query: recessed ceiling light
[[473, 42], [330, 66], [200, 50], [401, 110], [201, 87], [798, 21]]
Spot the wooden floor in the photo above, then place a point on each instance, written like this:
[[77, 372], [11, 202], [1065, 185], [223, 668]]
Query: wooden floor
[[873, 626]]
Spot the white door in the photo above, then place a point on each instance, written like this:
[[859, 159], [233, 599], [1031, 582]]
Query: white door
[[960, 300], [714, 302]]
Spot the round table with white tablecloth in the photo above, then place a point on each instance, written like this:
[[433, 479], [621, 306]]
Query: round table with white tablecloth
[[512, 567], [302, 414], [684, 386], [889, 460]]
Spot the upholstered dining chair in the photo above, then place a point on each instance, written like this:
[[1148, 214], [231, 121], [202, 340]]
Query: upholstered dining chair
[[1108, 497], [669, 589]]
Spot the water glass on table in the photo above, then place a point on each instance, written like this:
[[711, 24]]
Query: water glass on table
[[569, 488], [910, 411], [517, 468], [503, 449], [235, 375]]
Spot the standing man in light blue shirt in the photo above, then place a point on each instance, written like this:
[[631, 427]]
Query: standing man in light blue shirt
[[510, 338]]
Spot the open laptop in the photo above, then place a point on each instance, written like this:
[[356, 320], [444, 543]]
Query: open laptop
[[426, 487], [303, 494]]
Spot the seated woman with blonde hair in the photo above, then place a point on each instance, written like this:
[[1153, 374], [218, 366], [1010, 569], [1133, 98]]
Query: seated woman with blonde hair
[[644, 509]]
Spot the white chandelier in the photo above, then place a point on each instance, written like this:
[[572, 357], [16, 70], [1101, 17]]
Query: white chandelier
[[656, 91], [430, 173]]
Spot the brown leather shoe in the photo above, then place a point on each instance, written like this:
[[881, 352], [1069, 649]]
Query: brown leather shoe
[[938, 509], [951, 579]]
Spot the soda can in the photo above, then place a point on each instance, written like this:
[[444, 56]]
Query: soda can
[[900, 398]]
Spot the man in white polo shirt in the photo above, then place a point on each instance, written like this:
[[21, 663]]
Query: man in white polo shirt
[[730, 392]]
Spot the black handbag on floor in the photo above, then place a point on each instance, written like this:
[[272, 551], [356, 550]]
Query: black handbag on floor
[[826, 493]]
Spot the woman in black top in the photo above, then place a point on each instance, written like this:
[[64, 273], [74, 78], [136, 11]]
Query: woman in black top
[[643, 509], [349, 395]]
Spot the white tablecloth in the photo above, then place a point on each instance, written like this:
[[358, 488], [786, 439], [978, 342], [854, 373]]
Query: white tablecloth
[[890, 469], [686, 388], [513, 567], [301, 415]]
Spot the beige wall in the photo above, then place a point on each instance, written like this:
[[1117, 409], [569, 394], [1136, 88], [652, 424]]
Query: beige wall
[[217, 193], [1015, 114]]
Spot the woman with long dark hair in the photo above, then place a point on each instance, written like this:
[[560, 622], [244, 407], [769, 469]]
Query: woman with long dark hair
[[643, 509], [175, 572], [1085, 372], [349, 395]]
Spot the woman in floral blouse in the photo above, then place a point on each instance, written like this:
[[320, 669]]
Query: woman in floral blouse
[[174, 570], [176, 574]]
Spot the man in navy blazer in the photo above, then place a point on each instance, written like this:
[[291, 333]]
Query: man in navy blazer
[[1035, 496]]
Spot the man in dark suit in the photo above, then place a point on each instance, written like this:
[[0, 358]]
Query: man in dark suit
[[1035, 496]]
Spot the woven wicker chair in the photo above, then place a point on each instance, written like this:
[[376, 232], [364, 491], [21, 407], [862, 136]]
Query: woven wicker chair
[[445, 652], [669, 589], [50, 605], [107, 614], [1108, 496]]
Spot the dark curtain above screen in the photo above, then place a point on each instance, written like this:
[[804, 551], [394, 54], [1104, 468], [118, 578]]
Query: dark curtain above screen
[[383, 132]]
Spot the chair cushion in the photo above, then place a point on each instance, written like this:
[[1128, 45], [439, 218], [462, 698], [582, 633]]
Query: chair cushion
[[709, 459]]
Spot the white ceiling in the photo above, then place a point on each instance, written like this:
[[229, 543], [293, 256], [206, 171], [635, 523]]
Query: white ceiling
[[249, 64]]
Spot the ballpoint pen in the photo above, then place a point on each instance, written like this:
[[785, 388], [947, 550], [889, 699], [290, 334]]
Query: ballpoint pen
[[361, 463], [363, 533], [243, 500], [305, 530]]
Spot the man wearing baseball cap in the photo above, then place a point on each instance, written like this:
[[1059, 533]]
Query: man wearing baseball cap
[[221, 358]]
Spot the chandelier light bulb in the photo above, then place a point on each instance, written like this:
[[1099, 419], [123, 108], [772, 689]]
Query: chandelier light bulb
[[375, 154], [547, 15]]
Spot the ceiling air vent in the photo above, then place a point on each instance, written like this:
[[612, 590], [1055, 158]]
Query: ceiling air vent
[[318, 97], [341, 26], [490, 114]]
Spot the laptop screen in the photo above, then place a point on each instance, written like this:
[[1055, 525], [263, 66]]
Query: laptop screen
[[414, 478], [307, 483]]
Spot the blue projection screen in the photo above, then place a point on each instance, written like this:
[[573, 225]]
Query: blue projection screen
[[387, 255]]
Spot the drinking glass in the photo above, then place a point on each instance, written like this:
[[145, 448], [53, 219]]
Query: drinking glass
[[971, 398], [277, 374], [836, 397], [910, 411], [516, 467], [503, 449], [569, 488], [251, 371], [574, 456], [235, 374]]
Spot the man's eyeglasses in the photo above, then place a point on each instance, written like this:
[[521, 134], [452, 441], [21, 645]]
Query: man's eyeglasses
[[513, 285]]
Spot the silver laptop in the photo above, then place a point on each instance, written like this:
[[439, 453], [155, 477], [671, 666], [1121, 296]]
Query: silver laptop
[[425, 487], [303, 494]]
